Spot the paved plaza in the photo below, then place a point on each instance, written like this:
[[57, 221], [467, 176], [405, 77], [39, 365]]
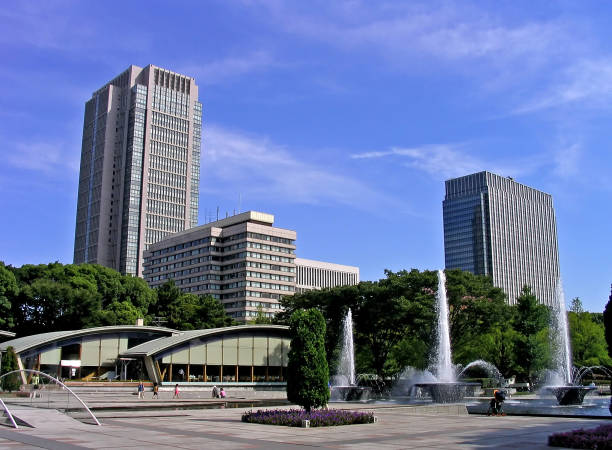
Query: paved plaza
[[128, 423]]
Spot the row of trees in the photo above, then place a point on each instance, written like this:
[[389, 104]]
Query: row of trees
[[52, 297], [394, 317], [394, 322]]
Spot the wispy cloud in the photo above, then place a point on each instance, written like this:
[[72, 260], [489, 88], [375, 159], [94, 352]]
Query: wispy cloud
[[515, 57], [447, 32], [66, 26], [446, 161], [41, 157], [217, 71], [586, 81], [567, 160], [268, 170]]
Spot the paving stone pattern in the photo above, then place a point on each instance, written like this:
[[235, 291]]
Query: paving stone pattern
[[397, 428]]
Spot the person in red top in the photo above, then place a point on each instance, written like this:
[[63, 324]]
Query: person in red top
[[176, 391]]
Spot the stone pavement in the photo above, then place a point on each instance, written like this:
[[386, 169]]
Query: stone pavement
[[398, 427]]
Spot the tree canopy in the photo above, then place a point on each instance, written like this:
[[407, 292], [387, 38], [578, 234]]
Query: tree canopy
[[53, 297]]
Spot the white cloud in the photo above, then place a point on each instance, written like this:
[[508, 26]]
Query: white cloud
[[567, 160], [41, 157], [444, 161], [586, 81], [220, 70], [244, 163], [446, 32], [67, 26]]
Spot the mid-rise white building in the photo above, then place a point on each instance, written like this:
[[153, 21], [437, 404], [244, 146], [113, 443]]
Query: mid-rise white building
[[244, 261]]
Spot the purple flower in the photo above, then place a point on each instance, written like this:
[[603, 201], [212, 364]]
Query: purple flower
[[318, 418]]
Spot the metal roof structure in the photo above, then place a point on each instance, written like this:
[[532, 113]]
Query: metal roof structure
[[36, 340], [7, 334], [161, 344]]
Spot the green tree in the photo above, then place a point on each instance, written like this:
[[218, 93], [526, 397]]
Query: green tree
[[8, 292], [389, 312], [588, 341], [166, 294], [607, 320], [118, 313], [476, 309], [531, 323], [212, 314], [261, 317], [9, 363], [185, 311], [333, 304], [137, 292], [499, 347], [576, 306], [307, 369]]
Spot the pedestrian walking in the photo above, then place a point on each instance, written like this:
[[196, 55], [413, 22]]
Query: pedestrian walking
[[140, 389], [155, 390], [176, 391]]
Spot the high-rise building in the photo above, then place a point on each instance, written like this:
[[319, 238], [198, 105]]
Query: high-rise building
[[244, 261], [496, 226], [140, 166]]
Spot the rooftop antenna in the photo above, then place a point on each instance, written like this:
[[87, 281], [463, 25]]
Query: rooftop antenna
[[239, 203], [217, 212]]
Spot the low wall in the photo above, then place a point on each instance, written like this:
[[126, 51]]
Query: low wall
[[233, 390]]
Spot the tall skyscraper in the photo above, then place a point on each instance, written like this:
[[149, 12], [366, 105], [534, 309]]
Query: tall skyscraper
[[140, 166], [498, 227]]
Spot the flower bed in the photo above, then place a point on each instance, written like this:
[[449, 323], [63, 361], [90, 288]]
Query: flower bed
[[318, 418], [599, 438]]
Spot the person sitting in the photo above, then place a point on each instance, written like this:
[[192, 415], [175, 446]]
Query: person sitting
[[495, 405], [215, 392], [222, 393]]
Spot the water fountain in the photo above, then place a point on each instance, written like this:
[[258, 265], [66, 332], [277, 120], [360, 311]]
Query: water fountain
[[444, 388], [563, 385], [343, 384]]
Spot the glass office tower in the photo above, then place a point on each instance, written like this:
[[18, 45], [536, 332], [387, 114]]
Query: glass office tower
[[498, 227], [140, 166]]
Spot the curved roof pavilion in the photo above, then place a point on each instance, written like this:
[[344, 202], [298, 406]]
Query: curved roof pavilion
[[255, 355], [26, 343], [88, 354], [4, 335], [252, 355], [166, 343]]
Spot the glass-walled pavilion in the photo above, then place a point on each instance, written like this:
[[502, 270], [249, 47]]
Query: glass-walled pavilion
[[248, 354]]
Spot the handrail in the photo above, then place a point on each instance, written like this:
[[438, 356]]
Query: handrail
[[58, 382], [8, 413]]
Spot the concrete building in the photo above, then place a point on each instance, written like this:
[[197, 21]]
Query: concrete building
[[496, 226], [313, 275], [140, 166], [244, 261]]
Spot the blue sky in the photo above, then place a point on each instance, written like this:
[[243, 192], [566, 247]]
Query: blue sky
[[343, 119]]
